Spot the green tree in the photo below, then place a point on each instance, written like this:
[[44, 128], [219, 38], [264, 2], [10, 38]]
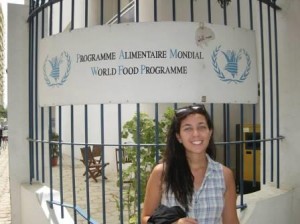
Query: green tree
[[147, 154], [3, 112]]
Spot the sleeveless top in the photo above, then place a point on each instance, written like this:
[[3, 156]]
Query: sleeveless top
[[208, 201]]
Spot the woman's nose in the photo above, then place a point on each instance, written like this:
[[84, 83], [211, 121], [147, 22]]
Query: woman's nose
[[196, 132]]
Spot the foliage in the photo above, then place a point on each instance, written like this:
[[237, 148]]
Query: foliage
[[3, 112], [148, 149], [54, 146]]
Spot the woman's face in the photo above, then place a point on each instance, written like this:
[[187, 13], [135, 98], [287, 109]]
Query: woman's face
[[194, 134]]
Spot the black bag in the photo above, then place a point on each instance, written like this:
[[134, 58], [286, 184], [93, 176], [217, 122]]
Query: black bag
[[166, 215]]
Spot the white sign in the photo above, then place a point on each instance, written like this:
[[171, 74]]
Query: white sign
[[159, 62]]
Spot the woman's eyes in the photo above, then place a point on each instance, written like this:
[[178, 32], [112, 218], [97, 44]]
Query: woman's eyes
[[200, 128], [187, 129], [203, 127]]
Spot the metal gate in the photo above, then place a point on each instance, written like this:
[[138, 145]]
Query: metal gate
[[246, 133]]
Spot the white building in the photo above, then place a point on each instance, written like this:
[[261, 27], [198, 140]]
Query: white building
[[269, 205]]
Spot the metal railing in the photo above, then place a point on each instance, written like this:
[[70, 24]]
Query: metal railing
[[228, 118]]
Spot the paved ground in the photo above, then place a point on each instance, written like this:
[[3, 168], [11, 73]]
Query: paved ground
[[5, 208], [95, 192]]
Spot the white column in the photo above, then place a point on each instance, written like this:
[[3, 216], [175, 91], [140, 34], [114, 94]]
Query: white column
[[18, 104]]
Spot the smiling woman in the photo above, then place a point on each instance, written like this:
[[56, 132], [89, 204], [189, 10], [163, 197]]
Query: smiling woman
[[188, 176]]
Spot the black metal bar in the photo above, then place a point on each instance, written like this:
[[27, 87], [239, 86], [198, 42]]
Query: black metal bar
[[209, 10], [44, 5], [254, 145], [30, 100], [153, 144], [77, 209], [51, 19], [271, 93], [251, 14], [271, 4], [253, 111], [174, 10], [119, 11], [239, 12], [86, 13], [277, 96], [60, 162], [138, 158], [86, 139], [155, 10], [36, 94], [73, 164], [225, 13], [120, 163], [60, 15], [192, 10], [43, 145], [102, 125], [43, 20], [101, 12], [137, 12], [157, 154], [241, 154], [227, 146], [72, 14], [50, 145], [224, 133], [263, 94]]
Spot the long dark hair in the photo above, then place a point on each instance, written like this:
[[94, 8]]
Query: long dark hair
[[178, 177]]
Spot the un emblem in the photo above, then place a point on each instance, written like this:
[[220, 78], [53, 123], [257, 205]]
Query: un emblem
[[57, 69], [233, 67]]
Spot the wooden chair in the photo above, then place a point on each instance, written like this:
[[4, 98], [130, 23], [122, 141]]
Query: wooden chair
[[93, 167], [97, 155]]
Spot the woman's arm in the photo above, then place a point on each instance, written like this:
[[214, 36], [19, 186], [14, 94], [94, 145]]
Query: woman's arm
[[153, 193], [229, 215]]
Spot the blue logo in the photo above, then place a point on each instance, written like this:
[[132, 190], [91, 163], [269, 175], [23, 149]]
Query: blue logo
[[235, 65], [57, 69]]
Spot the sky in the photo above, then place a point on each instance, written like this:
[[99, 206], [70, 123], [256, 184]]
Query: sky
[[4, 9]]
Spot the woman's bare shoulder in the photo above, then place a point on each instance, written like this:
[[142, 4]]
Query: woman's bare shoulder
[[158, 169], [155, 178], [228, 175]]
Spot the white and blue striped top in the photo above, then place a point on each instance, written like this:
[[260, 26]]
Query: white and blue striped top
[[208, 200]]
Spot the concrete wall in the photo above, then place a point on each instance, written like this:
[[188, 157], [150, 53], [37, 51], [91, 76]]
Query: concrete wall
[[18, 105], [289, 54], [281, 207], [39, 211], [270, 205]]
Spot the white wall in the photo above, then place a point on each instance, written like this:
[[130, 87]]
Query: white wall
[[4, 10], [289, 54], [268, 206], [283, 208], [17, 104], [39, 211], [288, 42]]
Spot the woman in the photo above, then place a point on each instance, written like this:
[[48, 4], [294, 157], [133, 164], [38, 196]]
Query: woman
[[189, 177]]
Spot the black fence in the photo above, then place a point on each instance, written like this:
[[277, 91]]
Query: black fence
[[247, 136]]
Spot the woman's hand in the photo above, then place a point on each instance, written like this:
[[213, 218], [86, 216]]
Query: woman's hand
[[186, 221]]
